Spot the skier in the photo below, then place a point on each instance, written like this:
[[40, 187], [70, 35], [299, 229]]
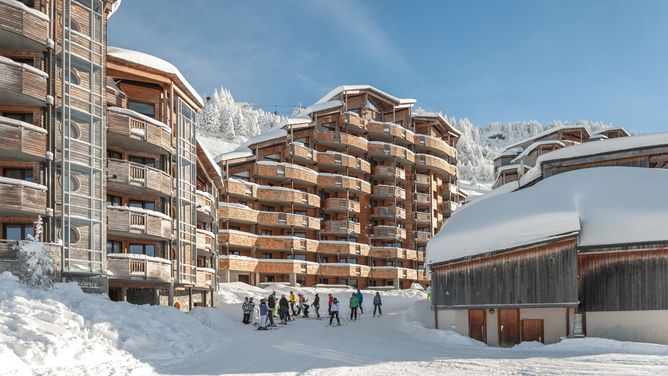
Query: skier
[[245, 309], [429, 292], [360, 297], [264, 310], [284, 310], [271, 304], [316, 306], [251, 308], [376, 305], [353, 307], [334, 312], [330, 300], [292, 300]]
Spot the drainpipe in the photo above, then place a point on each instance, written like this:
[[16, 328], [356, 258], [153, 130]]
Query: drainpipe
[[50, 120]]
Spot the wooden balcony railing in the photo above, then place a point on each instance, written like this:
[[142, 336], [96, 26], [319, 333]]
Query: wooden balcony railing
[[282, 266], [21, 84], [116, 98], [393, 272], [138, 223], [285, 171], [133, 130], [267, 193], [344, 270], [354, 120], [342, 161], [130, 177], [435, 164], [126, 266], [384, 150], [206, 241], [22, 27], [389, 212], [278, 219], [338, 182], [393, 253], [341, 227], [388, 192], [389, 232], [434, 145], [353, 144], [21, 141], [423, 199], [205, 278], [286, 243], [422, 180], [237, 263], [301, 153], [206, 206], [339, 205], [229, 212], [422, 218], [343, 248], [236, 239], [422, 237], [21, 198], [390, 131], [389, 172], [239, 188]]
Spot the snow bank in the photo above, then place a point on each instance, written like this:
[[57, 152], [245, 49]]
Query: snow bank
[[593, 202]]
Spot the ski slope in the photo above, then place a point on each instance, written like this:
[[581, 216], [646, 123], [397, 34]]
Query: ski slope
[[66, 332]]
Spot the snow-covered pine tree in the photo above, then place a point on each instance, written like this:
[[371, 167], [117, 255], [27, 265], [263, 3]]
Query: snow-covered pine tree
[[34, 263]]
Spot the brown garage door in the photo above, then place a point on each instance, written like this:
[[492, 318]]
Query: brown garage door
[[509, 327], [478, 325], [532, 330]]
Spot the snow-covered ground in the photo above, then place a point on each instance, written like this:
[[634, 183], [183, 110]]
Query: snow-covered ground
[[63, 331]]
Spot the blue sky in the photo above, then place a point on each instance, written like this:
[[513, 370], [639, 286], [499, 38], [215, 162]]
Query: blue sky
[[486, 60]]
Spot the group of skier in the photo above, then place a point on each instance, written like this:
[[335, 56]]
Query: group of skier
[[263, 314]]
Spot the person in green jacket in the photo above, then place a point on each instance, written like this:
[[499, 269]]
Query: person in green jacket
[[353, 307]]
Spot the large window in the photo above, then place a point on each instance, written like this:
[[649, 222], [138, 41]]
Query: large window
[[147, 109], [150, 162], [17, 231], [114, 246], [148, 205], [113, 200], [24, 117], [19, 173], [143, 249]]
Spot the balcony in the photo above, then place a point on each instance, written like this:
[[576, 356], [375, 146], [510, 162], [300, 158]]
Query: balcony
[[236, 213], [21, 84], [132, 267], [341, 205], [434, 145], [422, 200], [343, 162], [343, 248], [351, 144], [206, 241], [452, 189], [287, 220], [19, 197], [21, 141], [139, 179], [277, 171], [422, 180], [239, 188], [389, 212], [132, 130], [237, 263], [336, 182], [394, 253], [393, 272], [22, 28], [206, 206], [382, 151], [420, 256], [282, 266], [389, 173], [298, 152], [354, 121], [138, 223], [435, 164], [389, 233], [344, 270], [449, 207], [236, 239], [116, 98], [280, 195], [421, 276], [388, 192], [390, 132], [341, 227], [422, 218], [286, 243], [205, 278], [422, 237]]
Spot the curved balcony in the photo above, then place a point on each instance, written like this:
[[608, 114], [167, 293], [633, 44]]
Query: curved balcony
[[354, 121], [435, 164], [422, 218], [389, 233], [19, 197], [390, 173], [116, 98], [341, 227], [422, 237], [236, 213], [389, 212], [22, 28], [21, 141], [392, 272], [239, 188], [435, 145], [237, 263], [286, 243], [422, 200], [389, 132], [352, 144], [335, 269], [135, 178], [205, 278], [282, 266], [341, 205], [278, 171], [132, 130], [206, 206], [300, 153], [138, 223], [280, 195], [449, 207], [343, 248], [422, 180], [336, 182], [236, 239], [287, 220], [383, 151], [133, 267], [388, 192], [206, 241], [393, 253], [341, 162], [21, 84]]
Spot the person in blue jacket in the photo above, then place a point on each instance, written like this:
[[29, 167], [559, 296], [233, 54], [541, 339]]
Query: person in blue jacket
[[360, 297], [264, 311]]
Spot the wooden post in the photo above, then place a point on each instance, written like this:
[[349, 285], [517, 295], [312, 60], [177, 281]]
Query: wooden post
[[190, 298]]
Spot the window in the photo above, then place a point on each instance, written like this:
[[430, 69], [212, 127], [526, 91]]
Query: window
[[74, 77], [114, 154], [267, 256], [19, 173], [323, 260], [330, 127], [242, 175], [114, 246], [142, 249], [150, 162], [267, 208], [71, 184], [147, 109], [348, 260], [302, 140], [113, 200], [273, 157], [297, 257], [300, 212], [266, 232], [24, 117], [236, 253], [299, 235], [355, 110], [72, 130], [148, 205], [70, 235], [18, 231]]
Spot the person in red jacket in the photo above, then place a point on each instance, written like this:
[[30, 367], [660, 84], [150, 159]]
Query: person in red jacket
[[330, 300]]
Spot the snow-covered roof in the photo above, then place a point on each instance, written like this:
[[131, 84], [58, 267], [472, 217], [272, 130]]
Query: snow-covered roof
[[589, 202], [353, 89], [320, 106], [114, 7], [152, 62], [533, 147], [511, 167], [212, 161], [244, 150], [597, 137], [509, 153], [545, 133], [440, 117], [611, 129]]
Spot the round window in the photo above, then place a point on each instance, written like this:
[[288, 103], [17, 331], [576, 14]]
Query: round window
[[71, 184], [71, 236]]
